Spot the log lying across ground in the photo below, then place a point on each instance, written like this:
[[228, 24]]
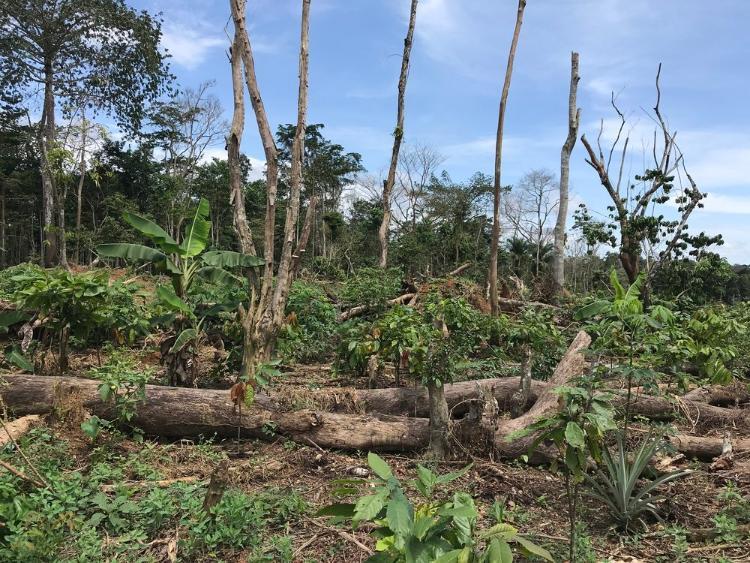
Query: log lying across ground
[[572, 365], [175, 412], [413, 401], [178, 412], [702, 447]]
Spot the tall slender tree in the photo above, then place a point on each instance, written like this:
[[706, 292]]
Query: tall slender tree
[[398, 135], [574, 116], [495, 240], [236, 194], [96, 53]]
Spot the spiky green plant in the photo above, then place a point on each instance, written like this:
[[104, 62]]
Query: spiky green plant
[[617, 486]]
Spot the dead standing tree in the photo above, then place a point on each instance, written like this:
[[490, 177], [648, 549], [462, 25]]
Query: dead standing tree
[[633, 213], [495, 240], [264, 315], [236, 194], [574, 118], [398, 135]]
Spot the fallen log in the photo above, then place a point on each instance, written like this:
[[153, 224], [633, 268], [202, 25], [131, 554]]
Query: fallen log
[[572, 365], [360, 309], [178, 412], [706, 448], [413, 401], [508, 304], [13, 430], [720, 395], [667, 408]]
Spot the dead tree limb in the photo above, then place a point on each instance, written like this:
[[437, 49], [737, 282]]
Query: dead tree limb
[[20, 474], [572, 365], [463, 267], [360, 309]]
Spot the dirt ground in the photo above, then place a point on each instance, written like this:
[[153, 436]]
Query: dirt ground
[[534, 498]]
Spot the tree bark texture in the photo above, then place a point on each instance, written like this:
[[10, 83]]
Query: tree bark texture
[[439, 420], [398, 135], [236, 192], [574, 116], [46, 142], [178, 412], [495, 240], [265, 314]]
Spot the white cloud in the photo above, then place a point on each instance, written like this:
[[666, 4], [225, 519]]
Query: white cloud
[[258, 166], [722, 203], [258, 170], [188, 46]]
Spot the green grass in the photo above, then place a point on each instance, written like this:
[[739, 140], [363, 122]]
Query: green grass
[[76, 519]]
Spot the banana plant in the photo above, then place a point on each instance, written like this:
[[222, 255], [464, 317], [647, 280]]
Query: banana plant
[[182, 261]]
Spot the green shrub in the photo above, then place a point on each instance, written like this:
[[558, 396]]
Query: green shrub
[[428, 531], [617, 484], [86, 307], [74, 519], [371, 287], [356, 343], [7, 285], [123, 384], [311, 322]]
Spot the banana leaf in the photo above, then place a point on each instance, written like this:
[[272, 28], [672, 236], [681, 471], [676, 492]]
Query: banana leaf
[[184, 338], [153, 231], [196, 235], [231, 259]]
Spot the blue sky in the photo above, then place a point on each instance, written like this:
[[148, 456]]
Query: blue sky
[[458, 62]]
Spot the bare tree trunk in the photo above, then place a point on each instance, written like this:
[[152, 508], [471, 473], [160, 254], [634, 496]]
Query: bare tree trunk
[[236, 195], [439, 420], [495, 241], [62, 196], [574, 116], [398, 135], [81, 179], [265, 313], [3, 242], [47, 139]]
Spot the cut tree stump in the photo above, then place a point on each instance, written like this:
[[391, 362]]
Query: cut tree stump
[[13, 430]]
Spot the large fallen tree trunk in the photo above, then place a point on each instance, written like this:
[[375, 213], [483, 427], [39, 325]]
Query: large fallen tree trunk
[[572, 365], [706, 448], [173, 412], [720, 395], [177, 412], [413, 401]]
